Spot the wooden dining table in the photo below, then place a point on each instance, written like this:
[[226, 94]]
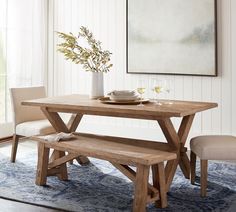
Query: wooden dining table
[[80, 105]]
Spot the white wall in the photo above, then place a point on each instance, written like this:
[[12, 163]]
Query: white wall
[[107, 18]]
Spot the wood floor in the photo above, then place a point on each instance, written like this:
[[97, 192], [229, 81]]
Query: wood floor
[[13, 206]]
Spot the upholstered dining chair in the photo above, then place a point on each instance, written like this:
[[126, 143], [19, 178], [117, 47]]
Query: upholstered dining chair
[[211, 147], [27, 120]]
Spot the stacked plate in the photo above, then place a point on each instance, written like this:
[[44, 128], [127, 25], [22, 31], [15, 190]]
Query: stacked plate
[[123, 95]]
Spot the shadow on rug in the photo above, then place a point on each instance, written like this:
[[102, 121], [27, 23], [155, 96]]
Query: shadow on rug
[[100, 187]]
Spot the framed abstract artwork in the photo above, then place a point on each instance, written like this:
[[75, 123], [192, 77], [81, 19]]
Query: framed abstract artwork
[[172, 37]]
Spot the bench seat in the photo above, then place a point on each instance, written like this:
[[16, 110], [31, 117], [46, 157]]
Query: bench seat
[[121, 153]]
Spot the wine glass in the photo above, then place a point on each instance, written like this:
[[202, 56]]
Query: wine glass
[[167, 88], [141, 90], [157, 88]]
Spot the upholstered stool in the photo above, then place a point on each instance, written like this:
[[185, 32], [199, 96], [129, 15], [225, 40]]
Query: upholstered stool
[[212, 147]]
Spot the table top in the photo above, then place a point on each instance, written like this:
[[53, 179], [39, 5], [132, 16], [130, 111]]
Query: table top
[[76, 103]]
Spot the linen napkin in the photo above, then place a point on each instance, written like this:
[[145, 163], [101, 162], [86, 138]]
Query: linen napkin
[[58, 137]]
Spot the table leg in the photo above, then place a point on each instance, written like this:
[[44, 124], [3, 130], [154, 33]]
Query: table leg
[[184, 164], [177, 142], [72, 126], [170, 170], [59, 125], [55, 120], [183, 132]]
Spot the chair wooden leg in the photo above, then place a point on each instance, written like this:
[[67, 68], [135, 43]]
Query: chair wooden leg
[[14, 147], [141, 189], [204, 164], [193, 166], [42, 167]]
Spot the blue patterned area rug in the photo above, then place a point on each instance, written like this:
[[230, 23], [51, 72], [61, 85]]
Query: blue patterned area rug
[[100, 187]]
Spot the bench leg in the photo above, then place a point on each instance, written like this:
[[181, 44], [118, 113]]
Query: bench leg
[[141, 188], [203, 177], [63, 168], [14, 147], [193, 166], [159, 182], [62, 175], [42, 167]]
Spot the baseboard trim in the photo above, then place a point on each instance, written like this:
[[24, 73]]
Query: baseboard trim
[[5, 139]]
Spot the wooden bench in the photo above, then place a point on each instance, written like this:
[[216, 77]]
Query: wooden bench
[[121, 153]]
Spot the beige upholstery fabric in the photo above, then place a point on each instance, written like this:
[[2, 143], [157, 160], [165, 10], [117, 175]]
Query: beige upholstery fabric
[[29, 121], [214, 147], [25, 113], [42, 127]]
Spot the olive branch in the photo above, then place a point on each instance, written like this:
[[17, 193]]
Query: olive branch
[[92, 59]]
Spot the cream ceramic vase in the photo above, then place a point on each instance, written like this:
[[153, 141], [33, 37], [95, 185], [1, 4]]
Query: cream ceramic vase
[[97, 86]]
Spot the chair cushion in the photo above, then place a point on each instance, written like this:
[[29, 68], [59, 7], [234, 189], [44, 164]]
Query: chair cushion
[[39, 127], [214, 147]]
